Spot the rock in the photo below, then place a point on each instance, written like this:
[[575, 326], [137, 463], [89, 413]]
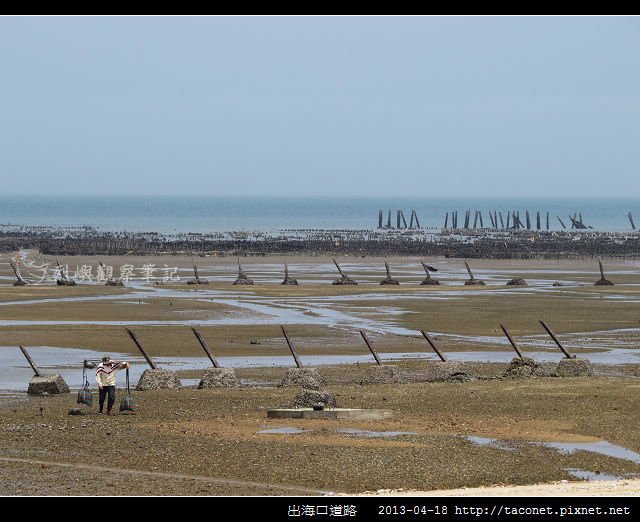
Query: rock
[[574, 368], [198, 281], [309, 378], [158, 379], [474, 282], [312, 398], [243, 281], [519, 368], [345, 281], [383, 374], [517, 282], [449, 371], [219, 378], [546, 369], [76, 411], [47, 384]]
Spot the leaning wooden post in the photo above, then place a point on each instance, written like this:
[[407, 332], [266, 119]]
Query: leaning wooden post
[[513, 343], [433, 345], [205, 348], [633, 226], [135, 340], [567, 354], [469, 270], [601, 269], [403, 220], [371, 348], [291, 347], [19, 279], [30, 361]]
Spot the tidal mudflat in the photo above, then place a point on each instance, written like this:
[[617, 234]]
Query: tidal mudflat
[[192, 441]]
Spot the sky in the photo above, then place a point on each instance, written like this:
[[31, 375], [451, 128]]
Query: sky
[[320, 106]]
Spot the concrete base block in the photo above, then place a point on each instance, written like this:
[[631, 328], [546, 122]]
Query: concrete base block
[[574, 368], [47, 384], [311, 398], [158, 379], [309, 378], [384, 374], [219, 378], [519, 368], [449, 371]]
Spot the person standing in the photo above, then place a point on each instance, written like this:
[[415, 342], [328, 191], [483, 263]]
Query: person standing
[[106, 378]]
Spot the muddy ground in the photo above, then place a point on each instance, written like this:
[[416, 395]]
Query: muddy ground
[[208, 442]]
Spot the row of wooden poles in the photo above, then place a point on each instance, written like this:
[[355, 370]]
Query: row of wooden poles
[[296, 357], [401, 222], [512, 221]]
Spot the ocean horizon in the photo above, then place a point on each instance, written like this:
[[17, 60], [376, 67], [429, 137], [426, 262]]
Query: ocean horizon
[[210, 214]]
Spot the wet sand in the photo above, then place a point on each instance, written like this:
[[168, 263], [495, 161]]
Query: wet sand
[[207, 442], [213, 442]]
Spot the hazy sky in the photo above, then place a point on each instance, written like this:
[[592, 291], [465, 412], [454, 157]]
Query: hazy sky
[[432, 106]]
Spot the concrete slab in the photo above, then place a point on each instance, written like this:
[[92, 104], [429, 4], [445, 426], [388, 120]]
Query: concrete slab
[[50, 384], [330, 413]]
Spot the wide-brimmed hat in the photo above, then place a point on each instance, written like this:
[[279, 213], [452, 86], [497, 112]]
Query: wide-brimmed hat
[[106, 358]]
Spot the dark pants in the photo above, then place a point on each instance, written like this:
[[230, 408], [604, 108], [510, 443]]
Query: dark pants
[[111, 392]]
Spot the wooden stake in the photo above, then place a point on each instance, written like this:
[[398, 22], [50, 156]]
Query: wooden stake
[[513, 343], [139, 345], [291, 347], [371, 348], [433, 345], [567, 355], [205, 348], [30, 361]]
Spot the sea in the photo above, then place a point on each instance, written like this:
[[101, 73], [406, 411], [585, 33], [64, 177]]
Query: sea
[[210, 214]]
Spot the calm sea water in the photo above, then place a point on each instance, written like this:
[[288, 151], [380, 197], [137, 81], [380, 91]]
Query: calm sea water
[[214, 214]]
